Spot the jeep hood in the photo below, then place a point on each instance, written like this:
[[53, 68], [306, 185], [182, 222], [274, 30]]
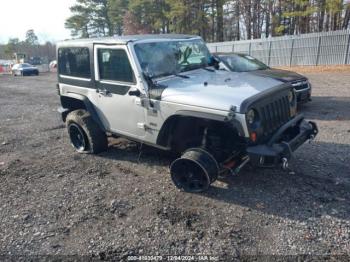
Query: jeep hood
[[217, 90]]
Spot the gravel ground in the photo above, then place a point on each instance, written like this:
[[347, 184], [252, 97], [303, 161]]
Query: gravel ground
[[58, 202]]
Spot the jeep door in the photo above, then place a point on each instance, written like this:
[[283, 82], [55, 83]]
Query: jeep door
[[119, 111]]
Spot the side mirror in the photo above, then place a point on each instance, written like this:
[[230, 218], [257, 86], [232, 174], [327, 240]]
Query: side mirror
[[135, 93], [215, 62]]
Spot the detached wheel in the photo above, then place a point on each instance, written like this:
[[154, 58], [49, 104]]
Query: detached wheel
[[85, 135], [194, 171]]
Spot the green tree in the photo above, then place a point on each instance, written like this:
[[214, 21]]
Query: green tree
[[11, 47], [116, 12], [346, 16], [31, 38], [189, 17], [79, 25], [90, 18], [334, 9], [150, 14], [214, 20]]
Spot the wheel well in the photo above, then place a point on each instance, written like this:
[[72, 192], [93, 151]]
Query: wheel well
[[182, 132], [72, 103]]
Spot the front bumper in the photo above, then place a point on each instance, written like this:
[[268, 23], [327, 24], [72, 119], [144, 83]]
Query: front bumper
[[298, 130], [30, 72]]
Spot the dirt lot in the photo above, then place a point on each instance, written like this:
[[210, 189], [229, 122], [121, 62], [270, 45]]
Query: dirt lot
[[55, 201]]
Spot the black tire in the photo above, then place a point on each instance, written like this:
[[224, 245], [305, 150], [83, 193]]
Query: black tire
[[85, 135], [194, 171]]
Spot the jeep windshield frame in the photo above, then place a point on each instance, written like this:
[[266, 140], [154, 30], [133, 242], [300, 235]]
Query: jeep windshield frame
[[171, 57]]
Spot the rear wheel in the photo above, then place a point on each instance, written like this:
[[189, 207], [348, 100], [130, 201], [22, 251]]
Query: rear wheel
[[85, 135], [77, 137]]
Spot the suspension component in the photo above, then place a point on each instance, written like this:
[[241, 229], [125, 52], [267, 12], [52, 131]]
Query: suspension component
[[285, 164]]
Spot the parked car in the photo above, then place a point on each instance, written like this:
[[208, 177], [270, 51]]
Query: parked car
[[53, 66], [177, 100], [24, 69], [237, 62]]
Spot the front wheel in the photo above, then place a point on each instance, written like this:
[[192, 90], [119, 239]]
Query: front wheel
[[85, 135], [194, 171]]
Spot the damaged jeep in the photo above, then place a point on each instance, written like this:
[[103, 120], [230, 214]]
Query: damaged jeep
[[166, 91]]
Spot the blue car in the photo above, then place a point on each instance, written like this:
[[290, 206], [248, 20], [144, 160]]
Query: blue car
[[24, 69]]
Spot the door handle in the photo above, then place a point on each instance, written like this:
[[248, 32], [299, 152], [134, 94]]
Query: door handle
[[103, 92]]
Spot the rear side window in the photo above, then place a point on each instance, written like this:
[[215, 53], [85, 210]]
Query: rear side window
[[74, 61], [114, 65]]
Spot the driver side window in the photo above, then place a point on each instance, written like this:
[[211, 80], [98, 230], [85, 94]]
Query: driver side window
[[114, 65]]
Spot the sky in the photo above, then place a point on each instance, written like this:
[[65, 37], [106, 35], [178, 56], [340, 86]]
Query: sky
[[46, 17]]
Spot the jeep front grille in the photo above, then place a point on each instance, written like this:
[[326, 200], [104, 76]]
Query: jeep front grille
[[274, 114]]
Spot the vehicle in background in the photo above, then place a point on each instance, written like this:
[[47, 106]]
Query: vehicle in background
[[53, 66], [237, 62], [34, 60], [24, 69]]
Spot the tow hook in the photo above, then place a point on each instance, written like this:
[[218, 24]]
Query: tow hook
[[285, 164]]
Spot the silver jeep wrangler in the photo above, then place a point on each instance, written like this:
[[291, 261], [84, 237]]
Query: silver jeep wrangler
[[167, 91]]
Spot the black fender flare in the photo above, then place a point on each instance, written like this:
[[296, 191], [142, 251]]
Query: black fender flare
[[65, 109], [167, 127]]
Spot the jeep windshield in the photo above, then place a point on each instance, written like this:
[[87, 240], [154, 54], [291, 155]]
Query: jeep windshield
[[165, 58]]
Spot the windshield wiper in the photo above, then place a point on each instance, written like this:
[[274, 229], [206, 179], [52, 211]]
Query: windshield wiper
[[191, 67], [197, 66], [208, 69], [182, 76]]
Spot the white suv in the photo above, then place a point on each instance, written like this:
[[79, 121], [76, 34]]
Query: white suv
[[167, 91]]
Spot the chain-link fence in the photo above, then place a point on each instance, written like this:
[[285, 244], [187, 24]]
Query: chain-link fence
[[328, 48]]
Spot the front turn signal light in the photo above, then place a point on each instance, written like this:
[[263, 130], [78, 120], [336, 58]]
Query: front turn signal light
[[253, 137]]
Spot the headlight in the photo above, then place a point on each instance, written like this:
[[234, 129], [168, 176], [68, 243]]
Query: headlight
[[252, 116]]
